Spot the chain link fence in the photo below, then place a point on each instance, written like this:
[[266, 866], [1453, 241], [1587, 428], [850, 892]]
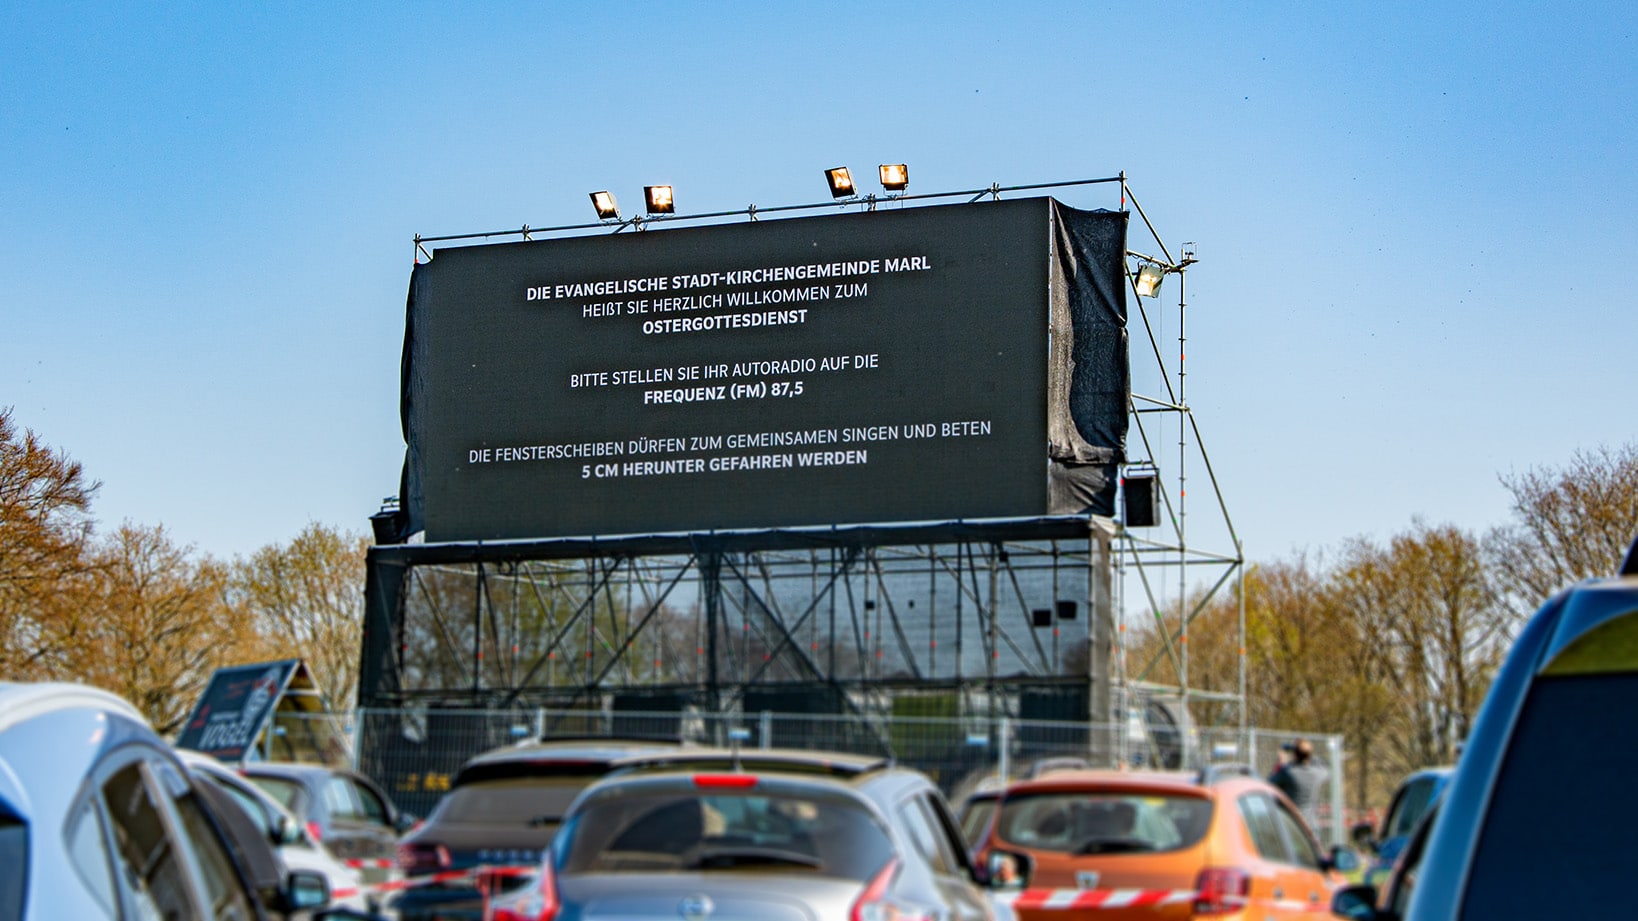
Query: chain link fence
[[415, 753]]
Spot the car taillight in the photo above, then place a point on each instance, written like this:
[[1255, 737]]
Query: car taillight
[[314, 832], [418, 859], [731, 781], [874, 905], [1221, 890], [532, 903]]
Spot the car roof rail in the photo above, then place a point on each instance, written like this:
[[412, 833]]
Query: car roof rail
[[1058, 763], [1629, 566], [1212, 773], [795, 761]]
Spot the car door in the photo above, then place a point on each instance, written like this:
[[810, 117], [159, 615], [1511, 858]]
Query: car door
[[360, 826], [1276, 886], [1307, 883]]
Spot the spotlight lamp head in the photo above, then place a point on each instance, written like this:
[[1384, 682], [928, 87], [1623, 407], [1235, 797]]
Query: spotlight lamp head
[[607, 207], [1149, 278], [659, 199], [895, 176], [841, 182]]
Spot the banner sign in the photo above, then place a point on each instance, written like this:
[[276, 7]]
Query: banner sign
[[886, 366], [236, 704]]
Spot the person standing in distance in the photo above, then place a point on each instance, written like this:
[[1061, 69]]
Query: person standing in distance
[[1301, 778]]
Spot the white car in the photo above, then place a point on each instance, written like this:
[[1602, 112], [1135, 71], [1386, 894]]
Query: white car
[[298, 850]]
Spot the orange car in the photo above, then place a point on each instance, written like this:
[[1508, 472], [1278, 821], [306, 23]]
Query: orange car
[[1114, 845]]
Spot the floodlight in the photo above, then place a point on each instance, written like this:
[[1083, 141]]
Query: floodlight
[[895, 176], [605, 204], [841, 182], [659, 199], [1148, 279]]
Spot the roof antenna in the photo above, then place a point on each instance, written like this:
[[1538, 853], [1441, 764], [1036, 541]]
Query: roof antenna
[[735, 737]]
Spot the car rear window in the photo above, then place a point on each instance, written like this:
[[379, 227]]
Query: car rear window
[[1085, 822], [1561, 812], [526, 801], [13, 867], [287, 792], [823, 833]]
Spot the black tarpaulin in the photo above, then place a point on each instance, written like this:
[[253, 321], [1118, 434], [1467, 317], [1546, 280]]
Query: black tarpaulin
[[1089, 377]]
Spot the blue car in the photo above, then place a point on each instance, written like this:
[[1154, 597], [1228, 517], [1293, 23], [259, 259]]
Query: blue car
[[1411, 801], [1536, 821]]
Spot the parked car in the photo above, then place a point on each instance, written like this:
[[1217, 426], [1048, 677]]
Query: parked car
[[502, 809], [1536, 821], [1221, 842], [284, 831], [99, 819], [1412, 800], [342, 809], [797, 836]]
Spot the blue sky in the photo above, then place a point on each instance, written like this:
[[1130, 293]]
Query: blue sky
[[1413, 220]]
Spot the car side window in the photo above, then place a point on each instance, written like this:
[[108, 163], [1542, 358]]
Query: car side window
[[227, 894], [920, 827], [147, 854], [88, 850], [1265, 832], [954, 841], [13, 865], [1299, 843], [374, 809], [340, 798]]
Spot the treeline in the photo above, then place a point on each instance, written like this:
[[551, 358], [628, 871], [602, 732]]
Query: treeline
[[1392, 644], [136, 613]]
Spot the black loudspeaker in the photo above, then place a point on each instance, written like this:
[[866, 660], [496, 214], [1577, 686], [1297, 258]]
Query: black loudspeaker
[[1066, 610], [1141, 500], [1040, 617], [385, 526]]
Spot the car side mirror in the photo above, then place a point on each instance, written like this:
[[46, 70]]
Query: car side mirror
[[406, 822], [1005, 870], [1358, 903], [1342, 859], [306, 890], [283, 831]]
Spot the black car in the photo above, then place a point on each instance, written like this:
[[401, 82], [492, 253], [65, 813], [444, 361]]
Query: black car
[[1536, 821], [502, 810]]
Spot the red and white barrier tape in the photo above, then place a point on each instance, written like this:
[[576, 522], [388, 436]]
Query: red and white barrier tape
[[1070, 899], [449, 876], [1094, 898]]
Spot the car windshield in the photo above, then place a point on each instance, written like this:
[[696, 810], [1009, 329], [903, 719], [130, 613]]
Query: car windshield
[[528, 801], [1085, 822], [1412, 805], [821, 833]]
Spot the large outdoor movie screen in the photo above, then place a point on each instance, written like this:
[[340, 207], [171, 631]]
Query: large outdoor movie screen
[[870, 367]]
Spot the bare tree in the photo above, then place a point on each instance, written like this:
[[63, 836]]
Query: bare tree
[[45, 525], [308, 597], [151, 624], [1570, 524]]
